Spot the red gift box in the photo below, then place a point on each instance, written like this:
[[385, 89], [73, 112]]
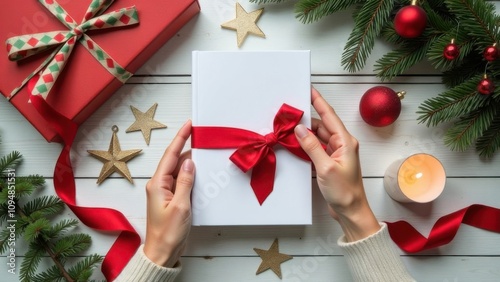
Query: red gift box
[[85, 84]]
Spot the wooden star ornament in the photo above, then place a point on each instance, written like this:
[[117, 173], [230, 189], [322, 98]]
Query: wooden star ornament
[[245, 23], [145, 122], [272, 259], [114, 159]]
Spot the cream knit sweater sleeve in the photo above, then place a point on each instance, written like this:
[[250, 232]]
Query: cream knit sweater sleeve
[[142, 269], [370, 259], [374, 258]]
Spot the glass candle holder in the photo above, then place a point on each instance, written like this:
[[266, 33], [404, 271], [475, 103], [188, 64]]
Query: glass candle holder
[[419, 178]]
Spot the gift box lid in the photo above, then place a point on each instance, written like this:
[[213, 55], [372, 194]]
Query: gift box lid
[[84, 84]]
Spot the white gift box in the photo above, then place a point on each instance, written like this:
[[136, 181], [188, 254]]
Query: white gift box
[[245, 90]]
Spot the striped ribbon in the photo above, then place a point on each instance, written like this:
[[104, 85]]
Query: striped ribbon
[[24, 46]]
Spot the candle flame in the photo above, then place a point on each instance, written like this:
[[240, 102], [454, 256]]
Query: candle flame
[[412, 176]]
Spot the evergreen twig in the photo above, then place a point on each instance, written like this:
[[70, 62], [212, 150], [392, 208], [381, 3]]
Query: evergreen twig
[[33, 221], [367, 26]]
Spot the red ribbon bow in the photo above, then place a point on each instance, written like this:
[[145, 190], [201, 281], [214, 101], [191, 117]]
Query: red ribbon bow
[[254, 151]]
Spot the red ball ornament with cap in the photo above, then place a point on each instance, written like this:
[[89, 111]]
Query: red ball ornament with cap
[[451, 51], [380, 106], [410, 21], [485, 86], [491, 53]]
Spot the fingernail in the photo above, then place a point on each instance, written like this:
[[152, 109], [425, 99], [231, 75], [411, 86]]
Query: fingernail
[[301, 131], [185, 123], [188, 165]]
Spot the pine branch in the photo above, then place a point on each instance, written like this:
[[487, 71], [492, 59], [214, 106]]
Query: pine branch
[[11, 160], [308, 11], [52, 274], [456, 76], [4, 240], [477, 18], [368, 24], [34, 229], [60, 228], [34, 179], [438, 18], [388, 33], [470, 127], [34, 225], [435, 54], [56, 261], [489, 143], [398, 61], [31, 261], [32, 233], [46, 205], [26, 185], [71, 244], [83, 269], [4, 213], [452, 103]]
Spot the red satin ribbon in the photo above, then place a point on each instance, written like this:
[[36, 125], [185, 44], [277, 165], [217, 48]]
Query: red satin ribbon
[[104, 219], [254, 151], [445, 228]]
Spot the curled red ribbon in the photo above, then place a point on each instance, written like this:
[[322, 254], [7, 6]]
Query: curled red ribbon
[[104, 219], [445, 228], [254, 151]]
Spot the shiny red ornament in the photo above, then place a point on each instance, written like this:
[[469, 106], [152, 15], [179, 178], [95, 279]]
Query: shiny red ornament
[[451, 51], [491, 53], [486, 86], [380, 106], [410, 21]]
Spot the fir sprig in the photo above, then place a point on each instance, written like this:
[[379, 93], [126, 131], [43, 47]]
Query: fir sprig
[[9, 161], [34, 218], [489, 143], [398, 61], [367, 26], [451, 104], [477, 18], [308, 11], [469, 128]]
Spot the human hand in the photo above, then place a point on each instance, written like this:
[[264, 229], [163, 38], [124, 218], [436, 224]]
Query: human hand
[[169, 204], [338, 170]]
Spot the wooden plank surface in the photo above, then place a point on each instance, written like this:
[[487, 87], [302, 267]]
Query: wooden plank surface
[[226, 253]]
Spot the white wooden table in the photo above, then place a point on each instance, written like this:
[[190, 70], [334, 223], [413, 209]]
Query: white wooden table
[[226, 253]]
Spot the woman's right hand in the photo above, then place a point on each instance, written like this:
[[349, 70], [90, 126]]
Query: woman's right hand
[[338, 170]]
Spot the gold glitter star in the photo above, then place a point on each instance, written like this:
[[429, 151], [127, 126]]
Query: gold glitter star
[[114, 159], [145, 122], [272, 259], [245, 23]]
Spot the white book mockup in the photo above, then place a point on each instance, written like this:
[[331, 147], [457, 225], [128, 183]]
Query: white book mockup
[[245, 90]]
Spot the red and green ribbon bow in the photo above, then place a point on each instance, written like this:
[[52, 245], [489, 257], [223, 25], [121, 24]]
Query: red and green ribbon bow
[[21, 47]]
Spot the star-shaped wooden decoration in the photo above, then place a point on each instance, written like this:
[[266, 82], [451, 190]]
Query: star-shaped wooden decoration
[[245, 23], [114, 159], [145, 122], [272, 259]]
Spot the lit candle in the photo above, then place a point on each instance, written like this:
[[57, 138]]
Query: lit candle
[[419, 178]]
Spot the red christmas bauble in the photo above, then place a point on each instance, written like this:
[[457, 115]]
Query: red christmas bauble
[[451, 51], [380, 106], [410, 21], [491, 53], [486, 86]]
